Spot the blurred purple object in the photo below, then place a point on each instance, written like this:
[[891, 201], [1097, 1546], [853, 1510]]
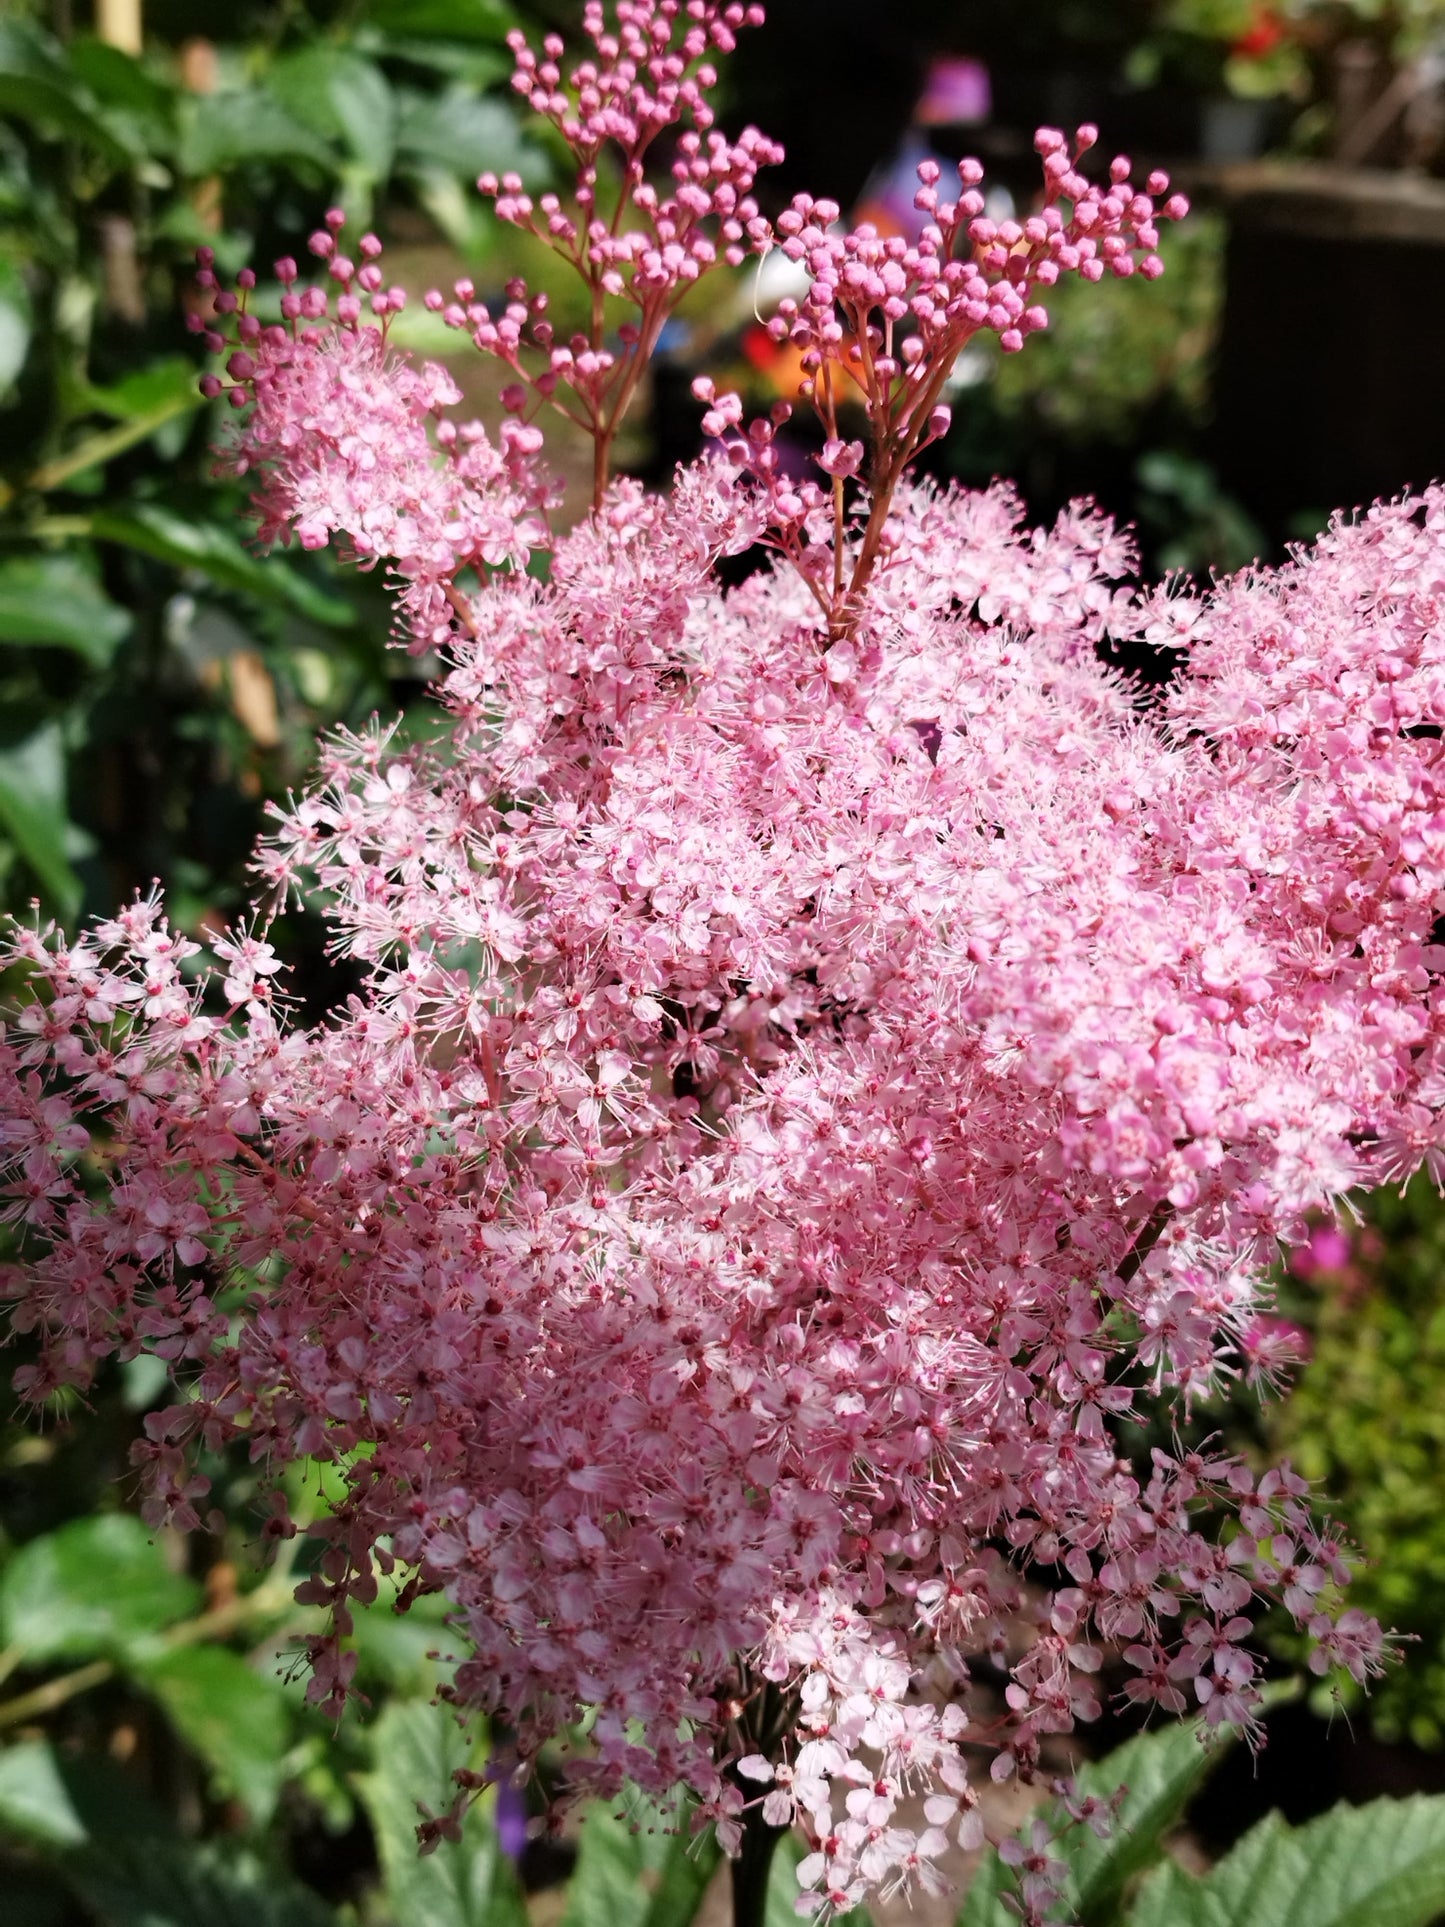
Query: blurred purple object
[[511, 1820], [956, 92]]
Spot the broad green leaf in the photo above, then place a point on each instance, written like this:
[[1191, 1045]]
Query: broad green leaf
[[35, 1803], [98, 1585], [443, 19], [461, 134], [137, 106], [15, 323], [215, 552], [249, 124], [54, 601], [235, 1718], [148, 389], [340, 96], [120, 1854], [682, 1880], [467, 1883], [1161, 1771], [393, 1647], [631, 1868], [33, 817], [1381, 1865], [38, 87]]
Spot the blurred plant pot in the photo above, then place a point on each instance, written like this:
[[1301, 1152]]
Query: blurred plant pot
[[1331, 380]]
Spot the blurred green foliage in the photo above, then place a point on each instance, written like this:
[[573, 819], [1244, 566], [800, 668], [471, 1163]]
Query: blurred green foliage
[[158, 680], [1366, 1420], [1381, 1865]]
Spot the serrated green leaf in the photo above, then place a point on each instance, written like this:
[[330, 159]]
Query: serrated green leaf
[[1161, 1770], [35, 1803], [343, 97], [55, 601], [33, 815], [467, 1883], [1381, 1865], [620, 1863], [97, 1586], [215, 553], [235, 1718], [983, 1902]]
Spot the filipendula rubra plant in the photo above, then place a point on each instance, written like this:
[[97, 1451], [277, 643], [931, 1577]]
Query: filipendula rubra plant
[[828, 1047]]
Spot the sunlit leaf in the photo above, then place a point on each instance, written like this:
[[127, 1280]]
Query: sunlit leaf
[[147, 389], [1381, 1865], [446, 19], [214, 552], [467, 1883], [15, 323], [249, 124], [97, 1586], [463, 135], [35, 1803], [341, 96]]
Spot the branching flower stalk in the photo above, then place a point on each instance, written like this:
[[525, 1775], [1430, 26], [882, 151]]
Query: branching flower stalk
[[828, 1052]]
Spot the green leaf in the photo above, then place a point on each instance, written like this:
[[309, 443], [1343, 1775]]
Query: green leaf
[[121, 1856], [98, 1585], [35, 1803], [36, 86], [33, 816], [1382, 1865], [55, 601], [392, 1647], [147, 390], [15, 320], [174, 1883], [983, 1902], [459, 133], [216, 553], [682, 1880], [443, 19], [632, 1868], [249, 124], [138, 106], [1161, 1771], [235, 1718], [467, 1883], [341, 96]]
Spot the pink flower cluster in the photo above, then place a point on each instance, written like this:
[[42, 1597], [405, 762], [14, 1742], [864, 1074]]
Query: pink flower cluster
[[813, 1082], [650, 73]]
